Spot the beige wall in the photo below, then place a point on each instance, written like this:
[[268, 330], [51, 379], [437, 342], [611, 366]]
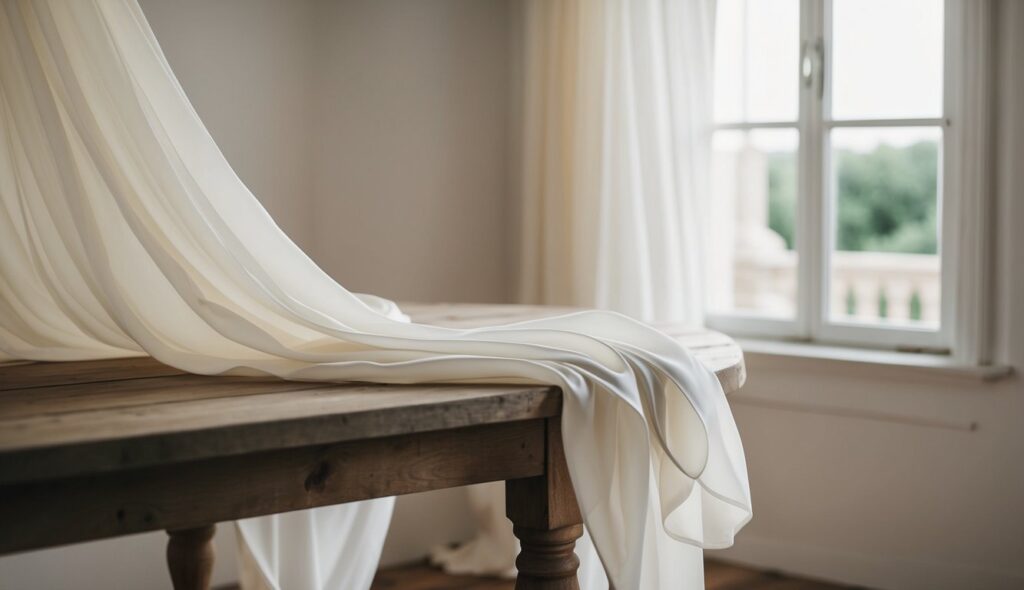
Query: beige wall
[[411, 147], [246, 66], [375, 132]]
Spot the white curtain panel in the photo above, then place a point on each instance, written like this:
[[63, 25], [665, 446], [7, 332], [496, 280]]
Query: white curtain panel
[[615, 154], [125, 232]]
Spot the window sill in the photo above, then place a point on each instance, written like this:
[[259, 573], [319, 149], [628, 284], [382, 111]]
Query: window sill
[[908, 363]]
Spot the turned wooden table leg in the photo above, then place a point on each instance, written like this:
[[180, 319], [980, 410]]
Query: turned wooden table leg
[[190, 557], [547, 521]]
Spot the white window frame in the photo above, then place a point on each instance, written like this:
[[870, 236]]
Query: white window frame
[[814, 222]]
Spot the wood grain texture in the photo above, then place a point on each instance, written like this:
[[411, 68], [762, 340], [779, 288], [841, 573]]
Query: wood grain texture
[[190, 557], [65, 419], [178, 496], [110, 439], [717, 576], [547, 501], [426, 577], [546, 519], [18, 375]]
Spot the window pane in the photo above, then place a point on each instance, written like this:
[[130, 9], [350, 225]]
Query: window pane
[[757, 47], [887, 59], [753, 264], [885, 267]]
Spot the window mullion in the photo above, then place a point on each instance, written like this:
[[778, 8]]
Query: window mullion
[[950, 194], [810, 236], [824, 201]]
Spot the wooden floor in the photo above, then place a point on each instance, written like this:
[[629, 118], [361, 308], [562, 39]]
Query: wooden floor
[[717, 576]]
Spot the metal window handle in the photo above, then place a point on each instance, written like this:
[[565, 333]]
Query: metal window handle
[[812, 65], [806, 65]]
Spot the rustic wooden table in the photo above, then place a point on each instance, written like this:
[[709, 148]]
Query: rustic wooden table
[[98, 449]]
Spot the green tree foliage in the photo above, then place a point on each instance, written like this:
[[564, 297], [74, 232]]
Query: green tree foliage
[[886, 198], [782, 196], [915, 306]]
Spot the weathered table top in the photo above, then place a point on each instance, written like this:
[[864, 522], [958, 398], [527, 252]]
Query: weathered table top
[[83, 418]]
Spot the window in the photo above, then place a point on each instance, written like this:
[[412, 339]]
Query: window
[[827, 172]]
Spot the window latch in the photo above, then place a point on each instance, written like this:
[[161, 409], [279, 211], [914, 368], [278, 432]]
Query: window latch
[[806, 64], [812, 65]]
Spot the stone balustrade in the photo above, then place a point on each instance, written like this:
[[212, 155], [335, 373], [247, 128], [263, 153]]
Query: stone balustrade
[[865, 286]]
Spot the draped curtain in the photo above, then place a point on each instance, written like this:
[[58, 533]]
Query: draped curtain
[[616, 113], [125, 232]]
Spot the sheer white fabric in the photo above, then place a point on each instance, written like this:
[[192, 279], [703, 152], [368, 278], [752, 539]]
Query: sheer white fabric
[[123, 231], [615, 154], [328, 547], [616, 109]]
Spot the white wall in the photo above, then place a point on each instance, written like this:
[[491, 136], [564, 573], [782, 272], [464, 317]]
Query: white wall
[[880, 502], [356, 123]]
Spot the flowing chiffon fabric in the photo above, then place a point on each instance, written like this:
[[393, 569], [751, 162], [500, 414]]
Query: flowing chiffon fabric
[[124, 231]]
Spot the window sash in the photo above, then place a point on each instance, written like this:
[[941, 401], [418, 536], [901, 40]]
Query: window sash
[[816, 199]]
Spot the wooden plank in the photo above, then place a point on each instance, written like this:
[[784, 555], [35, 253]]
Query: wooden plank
[[42, 514], [20, 375], [60, 445], [129, 393], [717, 576], [724, 576], [425, 577]]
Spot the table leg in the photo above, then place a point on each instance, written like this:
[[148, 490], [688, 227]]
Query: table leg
[[547, 521], [190, 557]]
